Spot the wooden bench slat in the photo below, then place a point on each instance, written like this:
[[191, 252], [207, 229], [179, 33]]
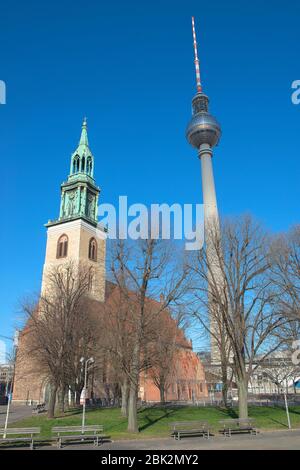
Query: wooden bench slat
[[20, 431], [76, 428], [182, 423], [15, 439]]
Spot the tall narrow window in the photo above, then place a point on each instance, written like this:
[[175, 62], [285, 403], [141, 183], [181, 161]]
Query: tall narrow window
[[93, 249], [76, 164], [89, 166], [62, 247]]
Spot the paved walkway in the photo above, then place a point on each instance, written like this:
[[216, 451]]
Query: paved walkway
[[288, 440], [16, 413]]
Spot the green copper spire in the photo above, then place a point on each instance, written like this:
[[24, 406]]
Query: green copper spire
[[79, 194], [82, 160], [84, 137]]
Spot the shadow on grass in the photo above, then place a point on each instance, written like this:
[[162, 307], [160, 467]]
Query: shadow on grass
[[229, 412], [78, 411], [279, 422], [293, 411], [69, 413], [166, 414]]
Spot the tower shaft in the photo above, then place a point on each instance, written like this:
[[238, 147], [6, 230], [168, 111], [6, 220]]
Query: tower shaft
[[208, 185], [211, 231]]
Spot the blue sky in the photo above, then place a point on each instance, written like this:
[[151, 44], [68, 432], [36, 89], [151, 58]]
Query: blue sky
[[128, 66]]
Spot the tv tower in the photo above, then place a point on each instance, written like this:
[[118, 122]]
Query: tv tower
[[203, 133]]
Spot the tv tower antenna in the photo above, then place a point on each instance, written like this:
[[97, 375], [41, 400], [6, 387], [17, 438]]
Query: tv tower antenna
[[197, 65]]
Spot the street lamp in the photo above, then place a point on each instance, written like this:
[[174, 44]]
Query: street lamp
[[284, 389], [82, 360]]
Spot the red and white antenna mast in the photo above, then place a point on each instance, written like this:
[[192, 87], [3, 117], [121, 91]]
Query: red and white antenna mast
[[197, 66]]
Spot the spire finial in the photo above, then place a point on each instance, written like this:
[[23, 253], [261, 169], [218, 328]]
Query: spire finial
[[197, 67], [84, 137]]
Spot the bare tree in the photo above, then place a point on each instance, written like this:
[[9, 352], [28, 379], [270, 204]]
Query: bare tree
[[59, 330], [281, 371], [163, 360], [118, 322], [286, 276], [242, 295], [206, 314], [142, 271]]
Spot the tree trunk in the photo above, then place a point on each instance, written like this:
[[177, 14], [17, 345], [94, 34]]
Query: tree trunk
[[52, 401], [125, 393], [132, 409], [72, 399], [61, 400], [162, 393], [78, 391], [243, 397], [224, 385], [133, 389]]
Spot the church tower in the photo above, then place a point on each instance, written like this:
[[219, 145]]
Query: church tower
[[76, 235]]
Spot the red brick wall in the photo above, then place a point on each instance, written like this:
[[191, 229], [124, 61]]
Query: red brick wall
[[188, 381]]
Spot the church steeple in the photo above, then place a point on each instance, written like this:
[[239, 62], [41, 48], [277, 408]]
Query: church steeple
[[82, 160], [84, 137], [79, 194]]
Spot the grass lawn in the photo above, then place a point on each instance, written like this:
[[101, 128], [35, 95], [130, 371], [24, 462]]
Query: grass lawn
[[154, 422]]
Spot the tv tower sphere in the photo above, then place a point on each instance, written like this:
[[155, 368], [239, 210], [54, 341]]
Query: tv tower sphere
[[203, 127]]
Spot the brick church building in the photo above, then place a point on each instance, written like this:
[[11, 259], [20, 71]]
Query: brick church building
[[77, 236]]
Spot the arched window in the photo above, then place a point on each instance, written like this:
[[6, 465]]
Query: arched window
[[89, 166], [76, 164], [62, 247], [93, 249], [83, 164]]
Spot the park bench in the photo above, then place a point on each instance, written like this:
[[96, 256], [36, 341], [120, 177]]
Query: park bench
[[76, 433], [189, 428], [238, 425], [19, 435], [40, 408]]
